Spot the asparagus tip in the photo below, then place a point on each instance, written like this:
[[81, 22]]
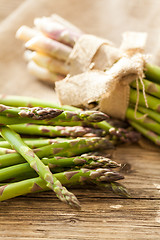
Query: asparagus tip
[[119, 189], [71, 199]]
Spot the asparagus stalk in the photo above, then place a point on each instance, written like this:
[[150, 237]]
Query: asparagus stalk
[[125, 135], [121, 135], [49, 46], [4, 120], [150, 87], [54, 131], [154, 115], [35, 112], [145, 121], [76, 147], [32, 143], [43, 73], [25, 33], [52, 29], [66, 178], [51, 64], [148, 125], [64, 22], [115, 187], [66, 148], [6, 150], [147, 133], [29, 175], [22, 101], [56, 163], [43, 171], [153, 102], [2, 139], [152, 73], [57, 31], [39, 113], [11, 100], [11, 120]]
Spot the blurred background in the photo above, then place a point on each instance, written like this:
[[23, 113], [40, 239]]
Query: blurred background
[[7, 7], [104, 18], [93, 15]]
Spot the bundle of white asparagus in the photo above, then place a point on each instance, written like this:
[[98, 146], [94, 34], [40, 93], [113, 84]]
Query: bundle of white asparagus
[[48, 46]]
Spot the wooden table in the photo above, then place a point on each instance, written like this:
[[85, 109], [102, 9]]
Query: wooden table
[[103, 215]]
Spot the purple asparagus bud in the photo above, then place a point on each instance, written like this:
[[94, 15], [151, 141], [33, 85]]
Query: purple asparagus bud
[[39, 113]]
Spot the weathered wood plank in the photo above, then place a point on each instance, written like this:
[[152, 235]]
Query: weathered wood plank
[[113, 218], [42, 216]]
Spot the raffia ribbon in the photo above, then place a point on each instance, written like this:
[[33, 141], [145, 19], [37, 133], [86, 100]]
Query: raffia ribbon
[[109, 88]]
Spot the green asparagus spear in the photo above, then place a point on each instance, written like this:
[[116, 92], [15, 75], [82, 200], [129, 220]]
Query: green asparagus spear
[[36, 113], [39, 113], [56, 163], [2, 139], [54, 131], [152, 114], [6, 150], [21, 101], [32, 143], [124, 135], [43, 171], [32, 102], [153, 102], [66, 148], [4, 120], [144, 121], [115, 187], [147, 133], [150, 87], [66, 178], [152, 73]]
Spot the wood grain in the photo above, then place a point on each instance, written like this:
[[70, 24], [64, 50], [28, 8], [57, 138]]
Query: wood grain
[[103, 215]]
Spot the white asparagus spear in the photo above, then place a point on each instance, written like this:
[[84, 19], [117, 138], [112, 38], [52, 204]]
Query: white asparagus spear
[[49, 46], [43, 74]]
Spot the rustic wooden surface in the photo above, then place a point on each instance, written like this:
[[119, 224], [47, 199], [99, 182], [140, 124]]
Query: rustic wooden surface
[[103, 215]]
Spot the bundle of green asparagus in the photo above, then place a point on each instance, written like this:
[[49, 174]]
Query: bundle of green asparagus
[[44, 146], [52, 47]]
